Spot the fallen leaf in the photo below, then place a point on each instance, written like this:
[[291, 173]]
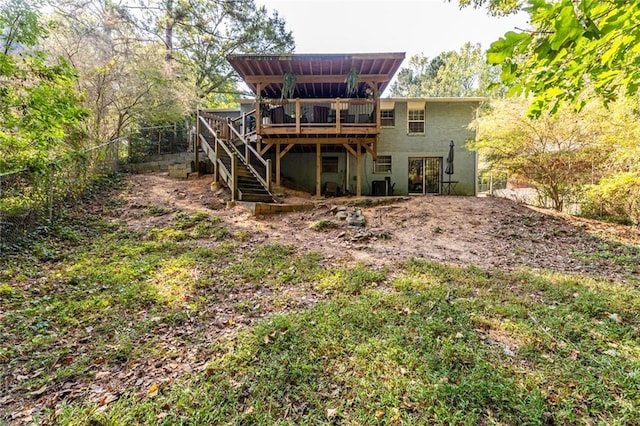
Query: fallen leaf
[[40, 391], [153, 390], [331, 412], [106, 398], [379, 414], [102, 374], [573, 354]]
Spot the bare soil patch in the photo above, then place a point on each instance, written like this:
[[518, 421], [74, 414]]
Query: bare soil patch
[[485, 232]]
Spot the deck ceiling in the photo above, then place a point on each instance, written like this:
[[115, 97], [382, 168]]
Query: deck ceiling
[[317, 75]]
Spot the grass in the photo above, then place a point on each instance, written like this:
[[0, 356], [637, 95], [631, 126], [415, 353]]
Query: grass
[[421, 343]]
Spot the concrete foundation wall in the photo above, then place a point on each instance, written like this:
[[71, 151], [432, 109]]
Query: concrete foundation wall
[[159, 163]]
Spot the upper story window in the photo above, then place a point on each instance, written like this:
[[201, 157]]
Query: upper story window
[[415, 121], [387, 117]]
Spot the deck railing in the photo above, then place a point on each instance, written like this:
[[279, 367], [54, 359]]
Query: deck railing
[[240, 143], [322, 115]]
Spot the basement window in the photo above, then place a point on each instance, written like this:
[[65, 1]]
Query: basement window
[[329, 164], [382, 164]]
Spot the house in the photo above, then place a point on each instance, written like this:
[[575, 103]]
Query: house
[[318, 121]]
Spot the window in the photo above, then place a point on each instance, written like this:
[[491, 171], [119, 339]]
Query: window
[[382, 164], [416, 120], [329, 164], [387, 117]]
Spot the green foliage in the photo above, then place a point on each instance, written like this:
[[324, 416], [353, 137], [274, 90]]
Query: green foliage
[[555, 153], [463, 73], [616, 196], [39, 105], [323, 224], [575, 48], [589, 157], [201, 34]]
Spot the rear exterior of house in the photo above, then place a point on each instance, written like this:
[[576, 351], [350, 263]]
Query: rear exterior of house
[[318, 124], [411, 153]]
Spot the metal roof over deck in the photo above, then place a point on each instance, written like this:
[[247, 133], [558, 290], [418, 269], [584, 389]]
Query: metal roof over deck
[[317, 75]]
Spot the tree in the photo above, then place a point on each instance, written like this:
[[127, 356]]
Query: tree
[[617, 193], [201, 34], [576, 48], [122, 78], [557, 154], [462, 73], [38, 102]]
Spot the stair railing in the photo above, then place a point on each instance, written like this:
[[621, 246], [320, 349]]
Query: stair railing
[[220, 154], [260, 167]]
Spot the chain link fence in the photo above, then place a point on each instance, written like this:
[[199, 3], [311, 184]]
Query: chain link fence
[[29, 199], [148, 142]]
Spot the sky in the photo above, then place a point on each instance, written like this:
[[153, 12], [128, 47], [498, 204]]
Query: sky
[[366, 26]]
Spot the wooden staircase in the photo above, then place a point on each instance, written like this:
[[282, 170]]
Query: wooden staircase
[[236, 163], [249, 187]]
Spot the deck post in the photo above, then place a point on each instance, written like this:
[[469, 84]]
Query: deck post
[[196, 141], [258, 108], [347, 176], [358, 171], [278, 164], [318, 170]]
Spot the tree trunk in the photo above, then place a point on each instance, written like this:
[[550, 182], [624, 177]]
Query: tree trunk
[[168, 40]]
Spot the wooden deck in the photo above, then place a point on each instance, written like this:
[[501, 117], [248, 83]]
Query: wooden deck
[[317, 118]]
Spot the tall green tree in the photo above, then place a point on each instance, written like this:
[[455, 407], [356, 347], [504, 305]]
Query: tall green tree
[[574, 49], [39, 105], [454, 73], [201, 34]]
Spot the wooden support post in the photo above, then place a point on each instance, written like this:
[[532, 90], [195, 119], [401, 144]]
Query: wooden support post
[[278, 164], [358, 171], [378, 112], [257, 106], [196, 140], [318, 170]]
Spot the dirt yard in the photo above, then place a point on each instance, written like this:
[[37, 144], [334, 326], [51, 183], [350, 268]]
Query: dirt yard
[[485, 232]]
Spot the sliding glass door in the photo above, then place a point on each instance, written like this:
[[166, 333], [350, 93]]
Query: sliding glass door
[[425, 175]]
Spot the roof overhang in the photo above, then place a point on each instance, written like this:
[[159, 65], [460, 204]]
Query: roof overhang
[[317, 75]]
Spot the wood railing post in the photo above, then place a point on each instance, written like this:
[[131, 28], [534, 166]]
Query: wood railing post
[[298, 115], [268, 175], [196, 140], [338, 120], [216, 158], [234, 177]]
